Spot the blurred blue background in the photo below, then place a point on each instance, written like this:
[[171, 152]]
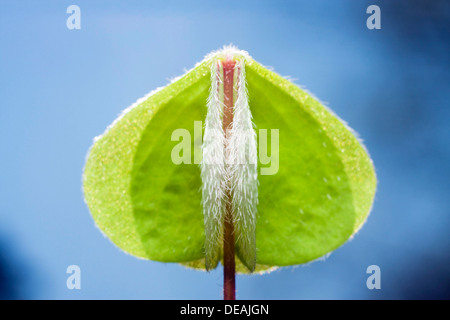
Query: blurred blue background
[[59, 88]]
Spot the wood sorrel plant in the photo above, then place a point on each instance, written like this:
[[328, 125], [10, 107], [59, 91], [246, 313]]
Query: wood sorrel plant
[[230, 205]]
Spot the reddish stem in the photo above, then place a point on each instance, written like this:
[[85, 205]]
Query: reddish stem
[[229, 266]]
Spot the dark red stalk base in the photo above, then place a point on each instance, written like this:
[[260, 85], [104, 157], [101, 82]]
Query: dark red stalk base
[[229, 265]]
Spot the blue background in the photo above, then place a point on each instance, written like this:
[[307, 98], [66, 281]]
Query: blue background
[[59, 88]]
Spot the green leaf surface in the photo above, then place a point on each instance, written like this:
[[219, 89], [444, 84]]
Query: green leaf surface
[[325, 185], [151, 208]]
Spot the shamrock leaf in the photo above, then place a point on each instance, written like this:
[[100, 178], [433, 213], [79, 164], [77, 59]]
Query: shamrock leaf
[[293, 177]]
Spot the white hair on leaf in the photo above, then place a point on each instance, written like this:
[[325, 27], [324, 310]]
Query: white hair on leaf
[[242, 172], [213, 172], [229, 165]]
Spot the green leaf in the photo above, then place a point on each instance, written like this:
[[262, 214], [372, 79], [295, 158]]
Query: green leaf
[[138, 197], [325, 185], [151, 207]]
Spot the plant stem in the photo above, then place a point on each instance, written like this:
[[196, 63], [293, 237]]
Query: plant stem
[[229, 266]]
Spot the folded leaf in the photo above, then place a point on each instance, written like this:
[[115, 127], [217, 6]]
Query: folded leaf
[[316, 182]]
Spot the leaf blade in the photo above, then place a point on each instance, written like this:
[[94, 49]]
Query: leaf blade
[[310, 136], [111, 176]]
